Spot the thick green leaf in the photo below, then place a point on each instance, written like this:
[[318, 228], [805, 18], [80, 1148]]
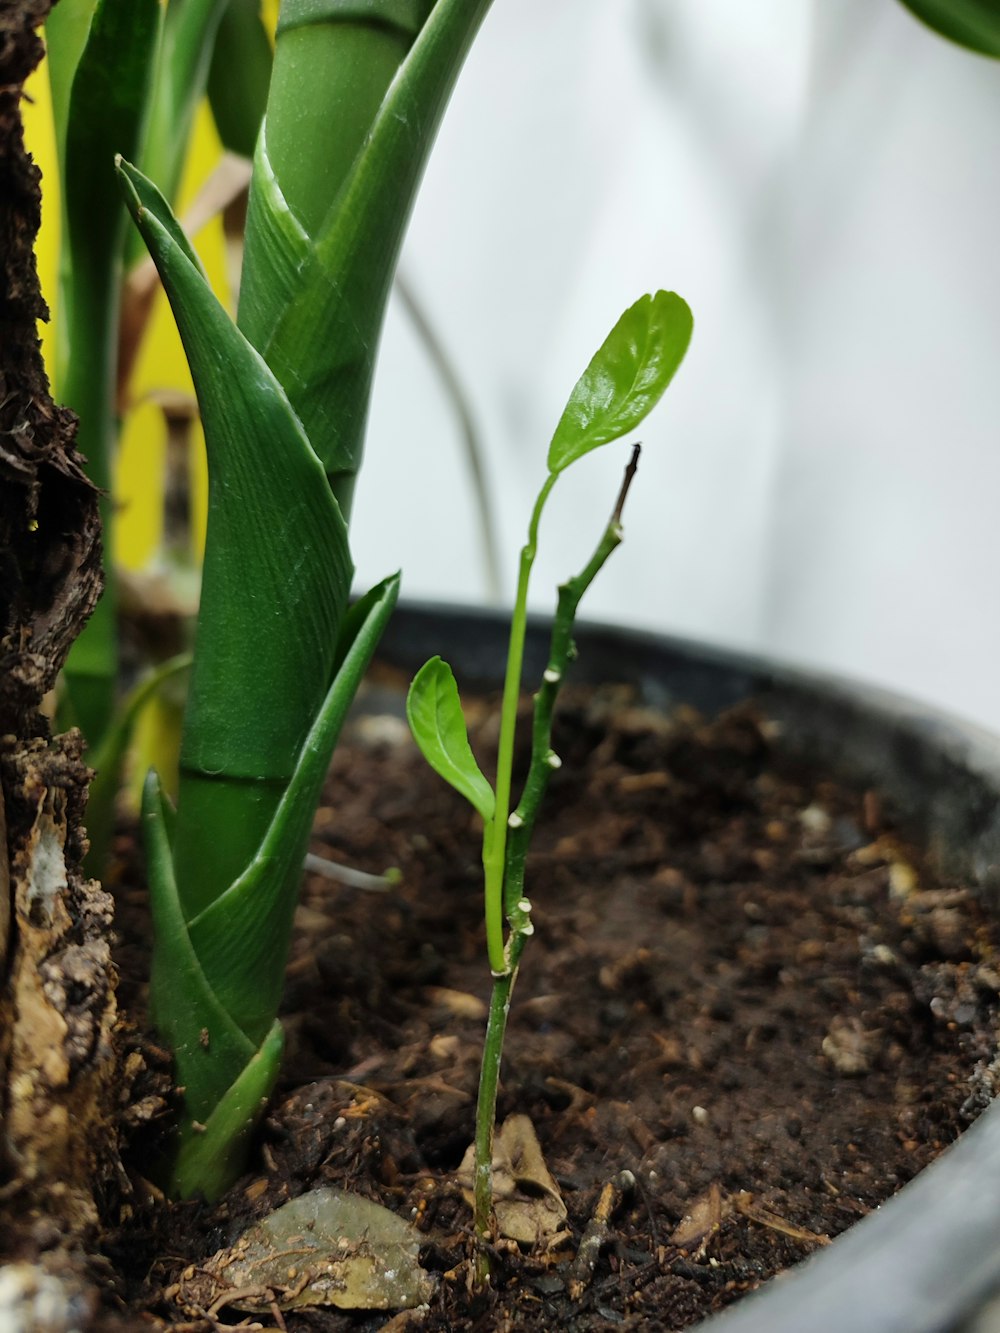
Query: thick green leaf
[[408, 15], [210, 1047], [626, 378], [276, 576], [109, 64], [313, 299], [434, 711], [239, 76], [185, 53], [212, 1154], [241, 938], [66, 31], [105, 113], [216, 979], [971, 23]]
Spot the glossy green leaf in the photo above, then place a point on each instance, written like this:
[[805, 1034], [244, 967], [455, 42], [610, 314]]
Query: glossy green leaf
[[105, 113], [239, 76], [434, 711], [66, 30], [210, 1047], [974, 24], [276, 575], [241, 938], [212, 1154], [217, 978], [324, 227], [108, 66], [181, 75], [625, 379]]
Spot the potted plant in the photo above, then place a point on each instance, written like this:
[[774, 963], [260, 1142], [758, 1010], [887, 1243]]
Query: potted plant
[[276, 386]]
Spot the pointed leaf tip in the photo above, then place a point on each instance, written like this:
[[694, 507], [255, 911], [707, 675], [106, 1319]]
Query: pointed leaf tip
[[434, 711], [625, 379]]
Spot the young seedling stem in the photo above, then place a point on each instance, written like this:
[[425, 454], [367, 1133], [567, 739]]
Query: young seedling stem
[[623, 383], [505, 888]]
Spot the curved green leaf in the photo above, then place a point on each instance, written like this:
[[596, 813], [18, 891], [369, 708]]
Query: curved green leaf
[[974, 24], [108, 759], [100, 79], [317, 321], [212, 1154], [210, 1047], [185, 53], [241, 938], [625, 379], [217, 978], [239, 76], [434, 712], [276, 576]]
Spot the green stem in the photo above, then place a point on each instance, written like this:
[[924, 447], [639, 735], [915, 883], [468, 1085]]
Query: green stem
[[495, 841], [510, 888], [486, 1105], [471, 442]]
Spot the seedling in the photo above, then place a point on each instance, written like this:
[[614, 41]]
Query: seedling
[[622, 384]]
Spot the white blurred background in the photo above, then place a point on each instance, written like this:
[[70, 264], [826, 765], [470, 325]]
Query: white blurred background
[[820, 179]]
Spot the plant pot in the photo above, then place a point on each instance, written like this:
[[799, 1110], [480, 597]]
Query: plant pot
[[928, 1259]]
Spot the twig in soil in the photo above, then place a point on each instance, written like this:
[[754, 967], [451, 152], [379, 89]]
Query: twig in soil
[[654, 1230], [745, 1205], [597, 1233]]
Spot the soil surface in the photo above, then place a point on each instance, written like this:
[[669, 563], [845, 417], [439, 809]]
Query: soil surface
[[744, 991]]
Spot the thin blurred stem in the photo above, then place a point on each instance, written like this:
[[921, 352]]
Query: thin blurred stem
[[471, 440]]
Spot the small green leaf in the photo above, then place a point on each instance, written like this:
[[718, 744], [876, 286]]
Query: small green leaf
[[435, 715], [626, 378], [971, 23]]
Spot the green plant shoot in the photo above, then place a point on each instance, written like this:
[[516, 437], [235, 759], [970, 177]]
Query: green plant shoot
[[283, 396], [622, 384]]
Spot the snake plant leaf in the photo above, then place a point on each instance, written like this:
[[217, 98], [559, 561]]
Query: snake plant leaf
[[249, 924], [320, 254], [625, 379], [104, 114], [974, 24], [211, 1155], [217, 978], [277, 548], [434, 711], [239, 76], [100, 79], [66, 30], [184, 1005], [108, 760], [181, 74]]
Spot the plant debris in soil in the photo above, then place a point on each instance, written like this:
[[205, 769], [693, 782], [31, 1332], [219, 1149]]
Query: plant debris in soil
[[748, 1015]]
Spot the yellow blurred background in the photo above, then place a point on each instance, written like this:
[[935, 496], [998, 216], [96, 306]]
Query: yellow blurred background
[[139, 471]]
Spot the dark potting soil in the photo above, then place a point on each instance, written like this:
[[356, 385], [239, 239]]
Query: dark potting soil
[[744, 990]]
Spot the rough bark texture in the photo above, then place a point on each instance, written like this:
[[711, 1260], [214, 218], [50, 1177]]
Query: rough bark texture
[[57, 1009]]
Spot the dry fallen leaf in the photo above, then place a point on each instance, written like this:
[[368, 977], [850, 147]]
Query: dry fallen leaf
[[526, 1199], [327, 1247], [701, 1221]]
